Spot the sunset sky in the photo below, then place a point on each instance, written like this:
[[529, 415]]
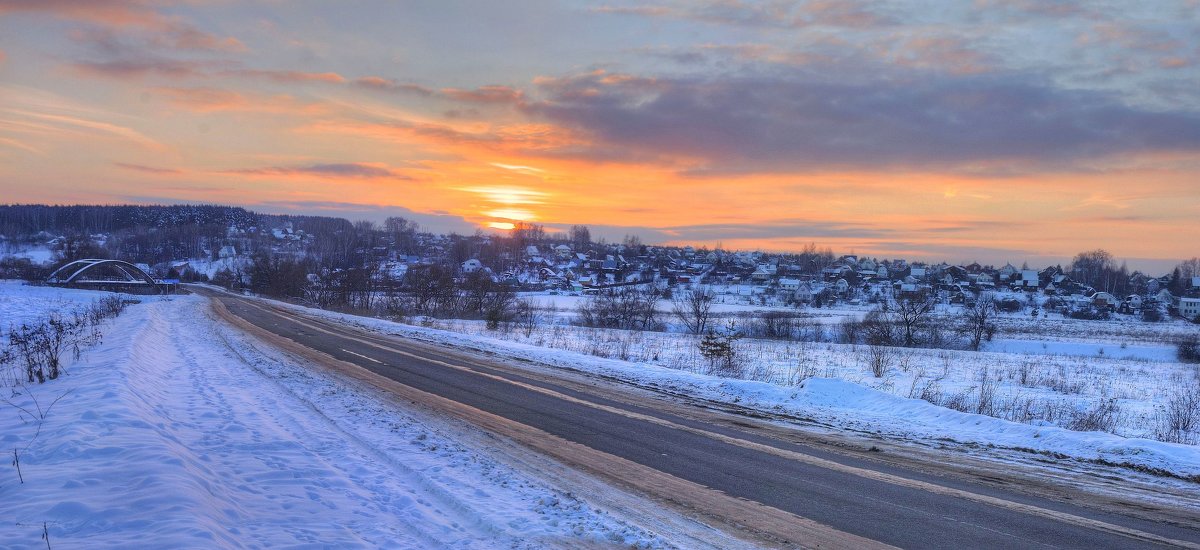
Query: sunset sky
[[989, 130]]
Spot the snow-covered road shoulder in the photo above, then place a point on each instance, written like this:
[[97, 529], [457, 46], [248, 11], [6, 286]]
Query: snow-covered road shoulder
[[184, 432]]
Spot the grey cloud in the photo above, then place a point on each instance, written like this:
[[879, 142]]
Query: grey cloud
[[147, 169], [774, 122], [340, 170]]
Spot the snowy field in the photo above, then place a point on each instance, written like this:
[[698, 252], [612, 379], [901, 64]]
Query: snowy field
[[20, 303], [1056, 384], [178, 430], [38, 254], [1034, 398]]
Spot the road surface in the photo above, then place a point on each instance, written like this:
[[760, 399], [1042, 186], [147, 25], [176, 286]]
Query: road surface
[[773, 489]]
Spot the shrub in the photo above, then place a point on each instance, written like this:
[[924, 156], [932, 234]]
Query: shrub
[[1101, 417], [879, 358], [1188, 349], [720, 352], [1008, 306]]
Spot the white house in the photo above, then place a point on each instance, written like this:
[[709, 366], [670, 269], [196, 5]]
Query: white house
[[805, 292], [1189, 308], [789, 285], [471, 266], [1029, 279]]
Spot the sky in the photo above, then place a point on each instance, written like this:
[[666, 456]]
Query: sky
[[987, 130]]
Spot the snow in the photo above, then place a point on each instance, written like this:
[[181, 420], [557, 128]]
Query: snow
[[182, 431], [1159, 353], [37, 254], [840, 402], [22, 303], [210, 267]]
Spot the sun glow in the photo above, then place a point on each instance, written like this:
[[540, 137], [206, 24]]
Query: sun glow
[[509, 196], [517, 214]]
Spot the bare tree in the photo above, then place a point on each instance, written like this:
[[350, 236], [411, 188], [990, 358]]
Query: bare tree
[[526, 316], [878, 328], [911, 313], [979, 320], [628, 308], [694, 308], [431, 288], [581, 236]]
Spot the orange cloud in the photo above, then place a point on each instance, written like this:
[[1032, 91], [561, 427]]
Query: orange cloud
[[290, 77], [164, 31], [207, 100]]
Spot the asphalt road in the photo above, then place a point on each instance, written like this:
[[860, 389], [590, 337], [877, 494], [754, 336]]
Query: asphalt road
[[835, 490]]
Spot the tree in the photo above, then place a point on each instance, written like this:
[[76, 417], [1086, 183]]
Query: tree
[[431, 288], [627, 307], [526, 316], [693, 308], [878, 327], [1176, 283], [403, 232], [525, 232], [911, 313], [979, 320], [720, 352], [1098, 269], [581, 236]]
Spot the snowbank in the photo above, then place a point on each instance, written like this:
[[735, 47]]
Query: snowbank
[[181, 432]]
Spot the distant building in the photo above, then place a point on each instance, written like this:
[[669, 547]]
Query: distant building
[[1189, 308], [471, 266]]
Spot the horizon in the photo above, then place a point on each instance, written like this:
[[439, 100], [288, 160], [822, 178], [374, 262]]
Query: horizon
[[989, 132], [611, 235]]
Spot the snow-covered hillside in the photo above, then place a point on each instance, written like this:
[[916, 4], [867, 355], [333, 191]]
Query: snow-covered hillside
[[181, 431]]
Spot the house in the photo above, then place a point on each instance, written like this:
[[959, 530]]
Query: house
[[471, 266], [1104, 299], [1189, 308], [1007, 272], [805, 292], [1194, 284], [1133, 303], [789, 285], [227, 251], [1027, 279]]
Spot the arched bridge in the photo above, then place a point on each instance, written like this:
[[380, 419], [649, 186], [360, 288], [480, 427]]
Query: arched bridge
[[104, 274]]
